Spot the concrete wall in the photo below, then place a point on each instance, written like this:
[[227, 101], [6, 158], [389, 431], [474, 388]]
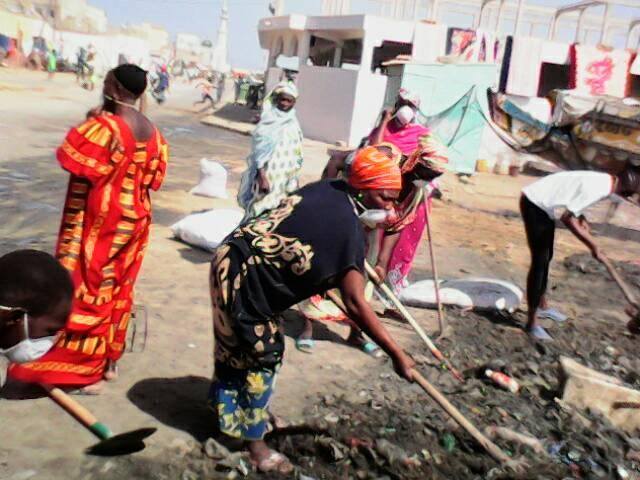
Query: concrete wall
[[108, 48], [326, 103], [14, 25], [369, 101]]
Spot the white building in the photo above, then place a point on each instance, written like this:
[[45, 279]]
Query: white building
[[75, 15], [192, 49], [339, 56]]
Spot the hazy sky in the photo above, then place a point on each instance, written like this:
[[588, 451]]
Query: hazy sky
[[202, 16]]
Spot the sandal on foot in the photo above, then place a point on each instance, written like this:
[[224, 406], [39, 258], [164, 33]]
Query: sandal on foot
[[305, 345], [372, 349], [540, 334], [552, 314], [274, 462]]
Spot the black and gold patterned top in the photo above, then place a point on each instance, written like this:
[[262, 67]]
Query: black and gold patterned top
[[278, 259]]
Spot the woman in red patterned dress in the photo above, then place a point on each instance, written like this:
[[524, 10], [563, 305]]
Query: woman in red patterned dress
[[115, 158]]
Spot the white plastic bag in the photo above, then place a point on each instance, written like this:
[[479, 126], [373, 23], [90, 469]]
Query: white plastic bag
[[208, 229], [213, 180], [476, 293]]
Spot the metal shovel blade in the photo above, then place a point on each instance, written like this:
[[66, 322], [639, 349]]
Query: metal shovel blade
[[122, 444]]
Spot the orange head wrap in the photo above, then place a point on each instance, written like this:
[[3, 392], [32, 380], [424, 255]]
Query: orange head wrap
[[375, 170]]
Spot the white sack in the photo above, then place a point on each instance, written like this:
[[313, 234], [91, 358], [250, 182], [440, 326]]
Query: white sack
[[208, 229], [213, 180]]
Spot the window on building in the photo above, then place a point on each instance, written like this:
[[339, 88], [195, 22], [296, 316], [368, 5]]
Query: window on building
[[388, 51], [324, 52], [552, 77]]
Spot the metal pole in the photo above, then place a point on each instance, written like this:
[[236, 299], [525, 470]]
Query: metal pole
[[519, 18], [434, 10], [499, 18], [605, 24], [580, 25], [554, 27]]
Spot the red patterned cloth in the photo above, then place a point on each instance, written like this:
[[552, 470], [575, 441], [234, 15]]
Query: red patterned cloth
[[102, 241]]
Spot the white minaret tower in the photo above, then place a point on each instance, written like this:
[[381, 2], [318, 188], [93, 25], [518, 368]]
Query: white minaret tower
[[220, 60]]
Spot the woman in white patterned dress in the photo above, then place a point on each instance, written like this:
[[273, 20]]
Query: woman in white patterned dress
[[276, 154]]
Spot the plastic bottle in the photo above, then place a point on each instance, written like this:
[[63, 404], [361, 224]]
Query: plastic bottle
[[503, 380]]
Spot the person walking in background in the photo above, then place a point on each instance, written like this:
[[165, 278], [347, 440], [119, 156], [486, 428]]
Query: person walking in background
[[222, 78], [115, 158], [206, 89], [276, 154], [52, 63]]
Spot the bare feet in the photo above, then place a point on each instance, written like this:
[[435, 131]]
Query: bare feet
[[277, 423], [267, 460], [111, 373]]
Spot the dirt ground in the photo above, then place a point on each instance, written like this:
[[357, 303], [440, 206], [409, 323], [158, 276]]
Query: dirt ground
[[477, 231]]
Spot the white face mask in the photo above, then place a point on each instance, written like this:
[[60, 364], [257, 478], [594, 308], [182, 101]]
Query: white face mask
[[124, 104], [28, 349], [374, 217], [378, 218], [405, 115]]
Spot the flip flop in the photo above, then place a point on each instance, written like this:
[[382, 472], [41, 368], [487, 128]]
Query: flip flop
[[305, 345], [552, 314], [540, 334], [372, 349], [275, 462]]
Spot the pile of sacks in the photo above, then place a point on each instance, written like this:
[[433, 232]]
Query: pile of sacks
[[208, 229]]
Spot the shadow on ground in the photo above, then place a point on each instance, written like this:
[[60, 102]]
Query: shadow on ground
[[179, 403], [236, 113]]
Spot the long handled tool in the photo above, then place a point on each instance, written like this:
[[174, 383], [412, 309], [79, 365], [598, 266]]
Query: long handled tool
[[626, 290], [436, 282], [447, 406], [491, 448], [416, 326], [110, 445]]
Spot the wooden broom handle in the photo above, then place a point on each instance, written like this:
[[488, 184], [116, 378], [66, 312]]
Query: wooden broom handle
[[83, 415], [626, 290], [460, 419]]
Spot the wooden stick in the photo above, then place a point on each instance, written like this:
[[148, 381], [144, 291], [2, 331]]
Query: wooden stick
[[516, 437], [491, 448], [78, 411], [447, 406], [626, 290], [416, 326], [434, 268]]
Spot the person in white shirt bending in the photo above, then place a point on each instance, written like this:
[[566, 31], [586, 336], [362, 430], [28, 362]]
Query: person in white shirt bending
[[567, 194]]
